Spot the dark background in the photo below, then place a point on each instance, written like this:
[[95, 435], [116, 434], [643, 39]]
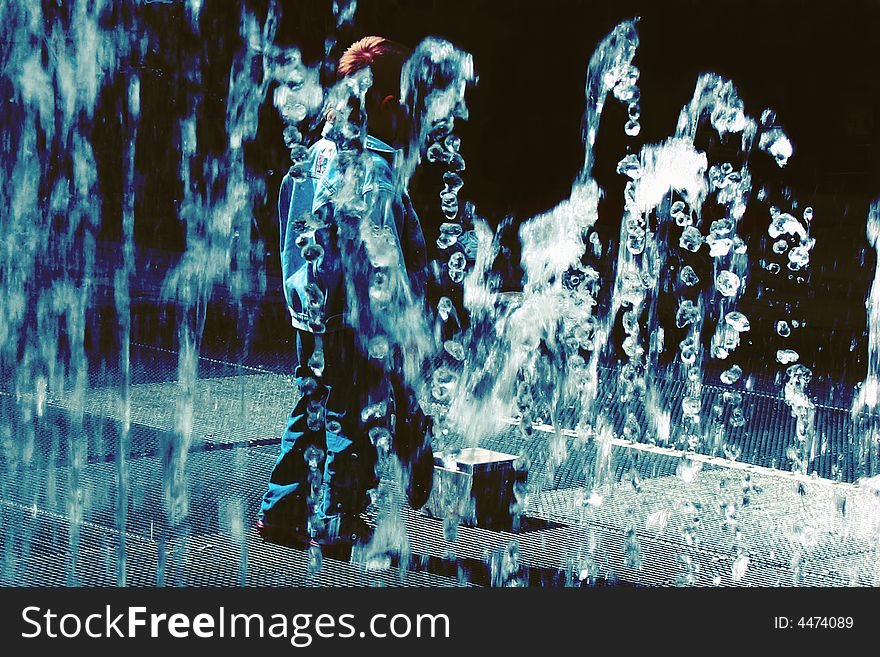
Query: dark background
[[813, 63]]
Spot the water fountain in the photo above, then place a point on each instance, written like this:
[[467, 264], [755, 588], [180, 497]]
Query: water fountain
[[637, 446]]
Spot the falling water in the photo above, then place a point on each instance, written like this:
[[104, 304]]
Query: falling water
[[545, 359], [866, 399], [57, 68]]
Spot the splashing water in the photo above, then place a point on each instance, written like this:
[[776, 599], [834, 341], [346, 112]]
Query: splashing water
[[577, 360], [866, 399], [545, 349]]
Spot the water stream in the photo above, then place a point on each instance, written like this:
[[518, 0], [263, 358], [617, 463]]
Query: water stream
[[578, 360]]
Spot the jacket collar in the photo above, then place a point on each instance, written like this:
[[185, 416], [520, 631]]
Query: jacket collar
[[374, 144]]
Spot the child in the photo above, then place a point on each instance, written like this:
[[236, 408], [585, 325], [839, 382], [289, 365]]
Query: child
[[320, 482]]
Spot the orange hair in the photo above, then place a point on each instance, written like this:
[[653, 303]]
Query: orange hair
[[385, 59]]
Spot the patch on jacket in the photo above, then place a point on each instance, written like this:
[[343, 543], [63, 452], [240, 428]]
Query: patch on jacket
[[322, 162]]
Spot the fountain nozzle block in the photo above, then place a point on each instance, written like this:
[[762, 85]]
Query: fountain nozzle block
[[476, 486]]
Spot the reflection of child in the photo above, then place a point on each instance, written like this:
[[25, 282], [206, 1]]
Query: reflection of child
[[319, 485]]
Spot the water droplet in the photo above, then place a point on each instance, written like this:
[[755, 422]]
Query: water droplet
[[737, 418], [635, 241], [378, 347], [727, 283], [453, 182], [307, 386], [444, 308], [457, 163], [452, 229], [799, 374], [313, 456], [688, 469], [688, 313], [634, 111], [776, 143], [722, 227], [691, 239], [312, 252], [457, 261], [316, 559], [316, 362], [380, 287], [380, 437], [299, 171], [449, 234], [786, 356], [436, 153], [784, 223], [630, 166], [679, 211], [454, 349], [731, 375], [689, 276], [299, 153], [690, 406], [798, 257], [658, 520], [374, 412], [445, 241], [449, 204], [718, 248], [740, 566], [737, 321]]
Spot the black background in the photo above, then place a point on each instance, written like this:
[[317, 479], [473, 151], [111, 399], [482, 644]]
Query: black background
[[813, 63]]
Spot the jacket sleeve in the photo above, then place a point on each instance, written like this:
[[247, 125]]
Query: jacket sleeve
[[382, 253], [388, 212], [284, 196], [415, 250], [394, 210]]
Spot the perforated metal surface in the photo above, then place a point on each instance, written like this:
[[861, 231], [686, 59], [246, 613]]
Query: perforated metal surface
[[216, 546], [825, 531]]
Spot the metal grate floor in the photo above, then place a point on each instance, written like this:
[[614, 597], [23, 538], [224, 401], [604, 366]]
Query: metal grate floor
[[217, 547], [811, 531]]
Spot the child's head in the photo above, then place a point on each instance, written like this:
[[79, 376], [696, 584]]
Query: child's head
[[386, 118]]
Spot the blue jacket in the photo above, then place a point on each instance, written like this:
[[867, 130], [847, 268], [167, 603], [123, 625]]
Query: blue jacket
[[310, 201]]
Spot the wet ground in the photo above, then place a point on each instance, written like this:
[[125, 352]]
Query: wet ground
[[827, 529]]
